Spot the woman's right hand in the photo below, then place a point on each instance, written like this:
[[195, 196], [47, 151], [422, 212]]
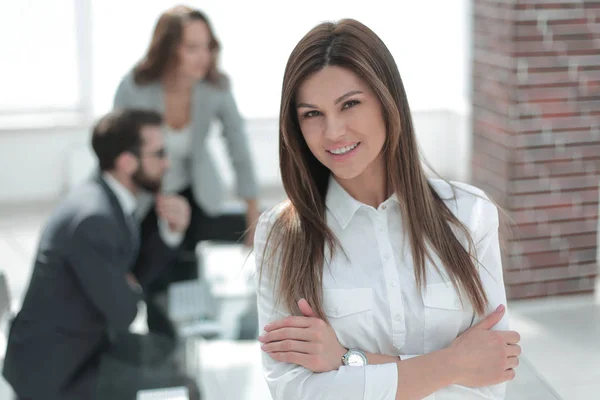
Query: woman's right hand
[[485, 357]]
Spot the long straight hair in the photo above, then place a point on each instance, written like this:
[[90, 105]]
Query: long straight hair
[[162, 52], [300, 234]]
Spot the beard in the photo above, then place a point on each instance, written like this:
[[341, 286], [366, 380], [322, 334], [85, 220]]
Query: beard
[[145, 182]]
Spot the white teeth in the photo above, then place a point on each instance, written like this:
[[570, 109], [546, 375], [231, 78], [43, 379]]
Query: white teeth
[[343, 150]]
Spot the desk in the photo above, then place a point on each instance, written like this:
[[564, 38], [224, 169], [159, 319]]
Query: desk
[[231, 370], [228, 269]]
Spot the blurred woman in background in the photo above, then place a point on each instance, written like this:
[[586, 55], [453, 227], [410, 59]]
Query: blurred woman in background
[[179, 78]]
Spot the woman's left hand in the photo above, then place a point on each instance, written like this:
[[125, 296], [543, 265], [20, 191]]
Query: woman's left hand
[[307, 341]]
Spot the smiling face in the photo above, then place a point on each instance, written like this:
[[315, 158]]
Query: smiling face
[[342, 123]]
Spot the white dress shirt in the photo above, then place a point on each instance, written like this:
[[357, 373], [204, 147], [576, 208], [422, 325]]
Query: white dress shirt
[[128, 204], [372, 302]]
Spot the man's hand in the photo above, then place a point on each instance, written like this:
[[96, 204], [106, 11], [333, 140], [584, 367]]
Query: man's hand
[[307, 341], [175, 210], [133, 283]]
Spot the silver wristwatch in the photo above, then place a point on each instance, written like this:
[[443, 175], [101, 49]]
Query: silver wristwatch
[[354, 358]]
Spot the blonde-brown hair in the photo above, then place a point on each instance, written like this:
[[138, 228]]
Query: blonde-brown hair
[[300, 234]]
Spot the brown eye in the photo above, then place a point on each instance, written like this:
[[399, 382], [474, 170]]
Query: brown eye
[[311, 114], [350, 103]]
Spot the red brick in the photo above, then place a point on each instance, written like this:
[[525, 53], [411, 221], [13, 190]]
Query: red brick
[[548, 185], [547, 78], [550, 274], [529, 201], [555, 229], [536, 137], [496, 59], [557, 153], [536, 95], [572, 32], [498, 101], [580, 46], [541, 63], [555, 168], [488, 12], [544, 289], [492, 178], [549, 5], [555, 214], [568, 108], [563, 242], [590, 88], [559, 123], [553, 258], [553, 138], [490, 145], [482, 160], [536, 2]]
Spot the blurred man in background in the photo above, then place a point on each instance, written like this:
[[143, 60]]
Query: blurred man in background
[[71, 338]]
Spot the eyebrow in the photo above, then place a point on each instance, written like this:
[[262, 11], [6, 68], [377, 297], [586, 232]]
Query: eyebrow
[[339, 99]]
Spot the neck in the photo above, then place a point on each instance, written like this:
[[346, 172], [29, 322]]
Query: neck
[[125, 180], [176, 83], [370, 187]]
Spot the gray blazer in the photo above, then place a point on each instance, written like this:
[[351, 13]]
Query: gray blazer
[[208, 103], [78, 294]]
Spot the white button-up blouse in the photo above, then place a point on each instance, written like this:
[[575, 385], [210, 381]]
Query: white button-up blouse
[[372, 301]]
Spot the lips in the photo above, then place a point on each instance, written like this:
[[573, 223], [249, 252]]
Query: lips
[[339, 151]]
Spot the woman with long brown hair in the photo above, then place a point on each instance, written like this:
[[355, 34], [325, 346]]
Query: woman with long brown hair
[[374, 280], [179, 78]]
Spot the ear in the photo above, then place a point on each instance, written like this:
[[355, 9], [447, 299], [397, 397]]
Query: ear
[[127, 163]]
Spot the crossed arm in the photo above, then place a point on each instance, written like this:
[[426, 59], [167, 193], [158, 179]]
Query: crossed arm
[[302, 356]]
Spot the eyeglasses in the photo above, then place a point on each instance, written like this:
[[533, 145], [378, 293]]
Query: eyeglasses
[[160, 154]]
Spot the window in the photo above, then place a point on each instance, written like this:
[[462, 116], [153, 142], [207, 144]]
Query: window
[[39, 69]]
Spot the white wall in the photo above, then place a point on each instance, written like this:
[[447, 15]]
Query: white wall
[[39, 165], [32, 162]]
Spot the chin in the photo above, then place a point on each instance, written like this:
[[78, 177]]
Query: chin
[[347, 174], [200, 74], [150, 186]]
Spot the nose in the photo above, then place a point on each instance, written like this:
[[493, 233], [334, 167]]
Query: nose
[[335, 128]]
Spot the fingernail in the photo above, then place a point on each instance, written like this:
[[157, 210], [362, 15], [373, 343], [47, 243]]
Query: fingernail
[[268, 326], [500, 308], [261, 338]]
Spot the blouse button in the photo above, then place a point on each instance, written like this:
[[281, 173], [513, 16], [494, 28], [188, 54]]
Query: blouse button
[[336, 311], [398, 317]]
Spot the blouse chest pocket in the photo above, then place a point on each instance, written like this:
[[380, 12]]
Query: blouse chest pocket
[[445, 315], [350, 313]]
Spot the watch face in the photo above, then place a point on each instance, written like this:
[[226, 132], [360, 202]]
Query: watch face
[[355, 359]]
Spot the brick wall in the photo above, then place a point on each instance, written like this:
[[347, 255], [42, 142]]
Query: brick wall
[[536, 136]]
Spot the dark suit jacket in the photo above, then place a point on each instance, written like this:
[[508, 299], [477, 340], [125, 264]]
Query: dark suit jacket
[[78, 293]]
